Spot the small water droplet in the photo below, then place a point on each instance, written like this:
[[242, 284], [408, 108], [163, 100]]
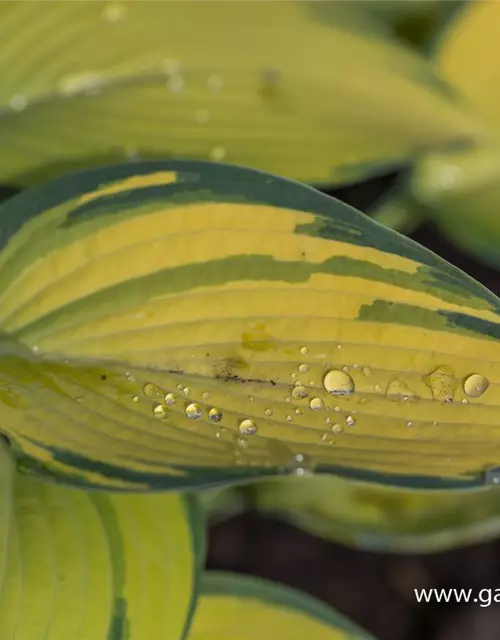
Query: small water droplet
[[80, 400], [367, 372], [217, 153], [113, 12], [475, 385], [299, 392], [377, 388], [397, 391], [289, 419], [251, 399], [242, 442], [179, 386], [221, 433], [202, 116], [170, 399], [193, 411], [160, 411], [298, 412], [215, 415], [441, 382], [268, 412], [175, 83], [350, 421], [18, 102], [293, 375], [316, 404], [186, 391], [465, 401], [215, 83], [337, 409], [135, 398], [337, 428], [288, 399], [152, 390], [338, 383], [205, 395], [303, 368], [247, 427], [304, 351], [326, 437], [409, 423]]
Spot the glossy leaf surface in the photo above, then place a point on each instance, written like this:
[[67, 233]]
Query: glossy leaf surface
[[322, 97], [182, 324], [233, 606]]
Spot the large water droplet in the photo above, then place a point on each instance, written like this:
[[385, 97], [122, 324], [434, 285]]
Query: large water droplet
[[338, 383], [160, 411], [441, 382], [475, 385], [247, 427], [193, 411], [215, 415], [316, 404]]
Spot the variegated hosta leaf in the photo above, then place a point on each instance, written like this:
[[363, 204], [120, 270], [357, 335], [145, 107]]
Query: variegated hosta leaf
[[97, 566], [320, 98], [381, 518], [6, 483], [461, 188], [174, 324], [233, 606]]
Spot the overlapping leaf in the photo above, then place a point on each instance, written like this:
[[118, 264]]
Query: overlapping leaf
[[303, 89], [461, 187], [175, 324], [376, 517], [242, 607], [98, 566]]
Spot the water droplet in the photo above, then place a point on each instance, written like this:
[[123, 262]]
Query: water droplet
[[202, 116], [221, 433], [326, 437], [152, 390], [303, 368], [18, 102], [205, 395], [288, 399], [298, 412], [441, 382], [377, 388], [80, 400], [367, 372], [243, 443], [88, 83], [337, 409], [492, 476], [338, 383], [337, 428], [193, 411], [251, 399], [135, 398], [176, 83], [114, 12], [268, 412], [160, 411], [215, 83], [170, 399], [316, 404], [179, 386], [217, 153], [247, 427], [289, 419], [293, 375], [304, 351], [465, 401], [215, 415], [299, 392], [475, 385], [350, 421], [397, 391], [409, 423], [186, 391]]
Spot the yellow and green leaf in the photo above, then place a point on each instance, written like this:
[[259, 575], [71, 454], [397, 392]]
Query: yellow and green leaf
[[6, 484], [181, 324], [461, 187], [323, 96], [381, 518], [233, 606], [98, 566]]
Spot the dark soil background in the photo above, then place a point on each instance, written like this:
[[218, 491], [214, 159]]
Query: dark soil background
[[373, 589]]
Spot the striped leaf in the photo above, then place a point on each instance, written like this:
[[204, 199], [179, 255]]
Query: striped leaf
[[462, 187], [97, 566], [321, 98], [177, 324], [381, 518], [242, 607]]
